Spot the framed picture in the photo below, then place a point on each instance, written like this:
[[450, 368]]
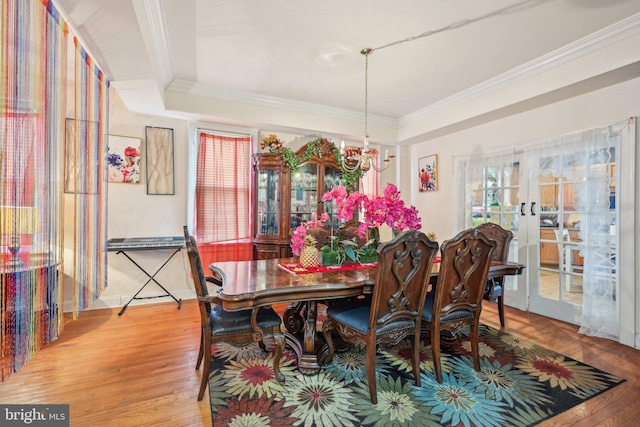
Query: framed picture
[[159, 155], [123, 159], [428, 173]]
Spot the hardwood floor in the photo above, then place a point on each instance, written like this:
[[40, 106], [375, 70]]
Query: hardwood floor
[[138, 369]]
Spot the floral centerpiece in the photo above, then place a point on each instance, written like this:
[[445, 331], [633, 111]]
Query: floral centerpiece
[[271, 143], [297, 240], [386, 209]]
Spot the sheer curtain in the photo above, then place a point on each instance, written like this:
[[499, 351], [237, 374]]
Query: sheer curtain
[[223, 197], [472, 175], [586, 158]]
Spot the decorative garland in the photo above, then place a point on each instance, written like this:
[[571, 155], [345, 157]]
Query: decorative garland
[[313, 149]]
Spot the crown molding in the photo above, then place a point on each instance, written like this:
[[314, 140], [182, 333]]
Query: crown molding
[[194, 88], [153, 11], [607, 36]]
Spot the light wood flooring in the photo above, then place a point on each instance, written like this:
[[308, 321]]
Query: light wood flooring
[[138, 369]]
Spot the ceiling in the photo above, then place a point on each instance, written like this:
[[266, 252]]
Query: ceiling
[[248, 63]]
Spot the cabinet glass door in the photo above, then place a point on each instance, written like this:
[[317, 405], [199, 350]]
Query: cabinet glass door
[[268, 202], [332, 179], [304, 194]]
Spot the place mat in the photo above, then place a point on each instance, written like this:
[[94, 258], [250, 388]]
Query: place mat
[[295, 268]]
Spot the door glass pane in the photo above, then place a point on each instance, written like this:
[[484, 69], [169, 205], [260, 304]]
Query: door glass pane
[[496, 196], [561, 221], [331, 180], [268, 203]]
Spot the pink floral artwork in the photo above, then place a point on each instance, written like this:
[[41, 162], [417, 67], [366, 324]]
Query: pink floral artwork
[[123, 159]]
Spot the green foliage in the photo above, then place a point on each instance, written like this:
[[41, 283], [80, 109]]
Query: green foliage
[[368, 253], [332, 257], [340, 250], [292, 161], [350, 247]]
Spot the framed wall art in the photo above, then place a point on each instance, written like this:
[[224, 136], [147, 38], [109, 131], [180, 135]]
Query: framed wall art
[[159, 155], [428, 173], [123, 159]]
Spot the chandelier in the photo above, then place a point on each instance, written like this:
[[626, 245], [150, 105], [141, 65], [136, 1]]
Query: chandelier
[[354, 158]]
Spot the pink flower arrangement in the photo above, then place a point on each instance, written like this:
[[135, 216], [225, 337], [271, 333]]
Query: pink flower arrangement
[[386, 209], [297, 240]]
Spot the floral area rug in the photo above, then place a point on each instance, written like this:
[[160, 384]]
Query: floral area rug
[[519, 384]]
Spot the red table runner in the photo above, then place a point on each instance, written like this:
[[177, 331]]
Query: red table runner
[[294, 267]]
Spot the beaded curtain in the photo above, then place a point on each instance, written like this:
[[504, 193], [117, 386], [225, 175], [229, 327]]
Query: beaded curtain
[[33, 145]]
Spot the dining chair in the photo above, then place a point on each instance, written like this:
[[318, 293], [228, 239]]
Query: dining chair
[[233, 327], [394, 310], [347, 231], [321, 234], [456, 300], [494, 290]]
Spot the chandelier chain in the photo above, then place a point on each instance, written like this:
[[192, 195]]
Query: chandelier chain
[[366, 53], [365, 158]]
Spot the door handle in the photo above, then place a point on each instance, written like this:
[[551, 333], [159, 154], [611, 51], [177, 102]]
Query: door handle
[[533, 206], [522, 206]]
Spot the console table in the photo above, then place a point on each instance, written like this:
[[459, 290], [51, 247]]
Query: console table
[[29, 310]]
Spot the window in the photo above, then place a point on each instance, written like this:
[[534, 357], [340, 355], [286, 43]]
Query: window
[[369, 184], [223, 188]]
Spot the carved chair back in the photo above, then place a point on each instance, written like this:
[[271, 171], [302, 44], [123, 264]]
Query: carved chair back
[[501, 236], [402, 279], [462, 278]]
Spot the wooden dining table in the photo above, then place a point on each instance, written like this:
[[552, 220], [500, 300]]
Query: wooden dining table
[[259, 283]]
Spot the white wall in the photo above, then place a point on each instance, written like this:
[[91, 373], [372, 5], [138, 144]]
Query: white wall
[[595, 109], [134, 213]]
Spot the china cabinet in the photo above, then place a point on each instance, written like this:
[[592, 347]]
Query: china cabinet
[[285, 198]]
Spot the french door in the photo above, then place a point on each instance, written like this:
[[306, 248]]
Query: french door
[[571, 218], [493, 195], [562, 201]]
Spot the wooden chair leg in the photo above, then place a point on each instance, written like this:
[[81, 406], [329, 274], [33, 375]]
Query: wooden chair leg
[[475, 354], [435, 352], [206, 365], [201, 351], [501, 307], [415, 358], [371, 371], [327, 328]]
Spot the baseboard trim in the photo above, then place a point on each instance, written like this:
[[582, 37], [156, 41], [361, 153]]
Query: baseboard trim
[[117, 301]]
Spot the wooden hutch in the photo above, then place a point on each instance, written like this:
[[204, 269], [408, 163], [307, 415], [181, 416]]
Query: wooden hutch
[[284, 198]]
